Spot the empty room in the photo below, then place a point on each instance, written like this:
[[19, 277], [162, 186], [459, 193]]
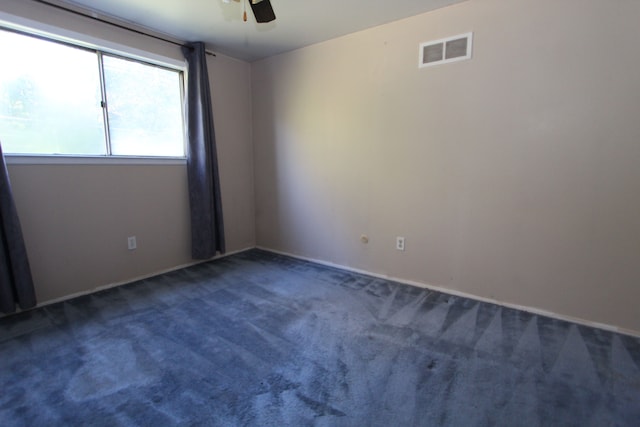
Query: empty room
[[296, 213]]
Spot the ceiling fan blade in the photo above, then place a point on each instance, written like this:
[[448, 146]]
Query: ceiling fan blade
[[262, 10]]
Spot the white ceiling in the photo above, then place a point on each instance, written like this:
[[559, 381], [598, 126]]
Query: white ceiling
[[299, 22]]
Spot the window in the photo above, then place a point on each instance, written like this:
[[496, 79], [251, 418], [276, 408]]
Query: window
[[451, 49], [62, 99]]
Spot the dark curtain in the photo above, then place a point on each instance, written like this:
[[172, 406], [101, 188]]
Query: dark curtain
[[16, 285], [207, 231]]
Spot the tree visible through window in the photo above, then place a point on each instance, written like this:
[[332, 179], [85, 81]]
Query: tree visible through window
[[145, 109], [54, 99]]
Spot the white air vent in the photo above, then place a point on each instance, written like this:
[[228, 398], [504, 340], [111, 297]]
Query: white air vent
[[451, 49]]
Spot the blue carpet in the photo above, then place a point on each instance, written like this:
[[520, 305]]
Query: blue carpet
[[260, 339]]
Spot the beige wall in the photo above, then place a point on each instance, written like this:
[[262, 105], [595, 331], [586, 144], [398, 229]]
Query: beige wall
[[513, 176], [76, 217]]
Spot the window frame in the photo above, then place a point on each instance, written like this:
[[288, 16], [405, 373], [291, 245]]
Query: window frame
[[99, 50]]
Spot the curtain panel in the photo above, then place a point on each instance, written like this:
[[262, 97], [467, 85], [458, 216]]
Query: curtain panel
[[16, 284], [207, 228]]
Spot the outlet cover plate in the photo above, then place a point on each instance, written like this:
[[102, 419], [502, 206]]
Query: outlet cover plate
[[131, 243]]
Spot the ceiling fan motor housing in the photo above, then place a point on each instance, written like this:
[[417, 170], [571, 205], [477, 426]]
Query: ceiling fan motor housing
[[262, 10]]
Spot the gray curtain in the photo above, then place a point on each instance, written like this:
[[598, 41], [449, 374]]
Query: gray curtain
[[16, 285], [207, 231]]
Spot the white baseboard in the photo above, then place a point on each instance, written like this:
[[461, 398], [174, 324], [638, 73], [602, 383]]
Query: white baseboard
[[432, 287], [124, 282], [442, 289]]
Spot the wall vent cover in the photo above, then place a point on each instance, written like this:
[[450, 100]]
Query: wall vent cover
[[451, 49]]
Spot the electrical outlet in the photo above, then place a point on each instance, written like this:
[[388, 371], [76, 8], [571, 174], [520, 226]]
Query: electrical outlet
[[131, 243], [400, 243]]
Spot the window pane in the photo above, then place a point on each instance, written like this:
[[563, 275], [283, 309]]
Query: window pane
[[49, 98], [145, 109]]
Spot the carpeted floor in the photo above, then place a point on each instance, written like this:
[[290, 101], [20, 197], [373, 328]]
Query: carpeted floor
[[263, 340]]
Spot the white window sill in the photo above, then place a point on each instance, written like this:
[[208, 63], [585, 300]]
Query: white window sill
[[14, 159]]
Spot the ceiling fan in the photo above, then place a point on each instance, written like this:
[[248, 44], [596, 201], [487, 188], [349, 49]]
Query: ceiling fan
[[262, 10]]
